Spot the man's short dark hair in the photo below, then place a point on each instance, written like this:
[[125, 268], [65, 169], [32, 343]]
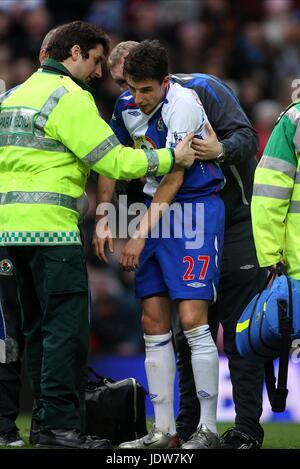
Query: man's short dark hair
[[86, 35], [147, 61]]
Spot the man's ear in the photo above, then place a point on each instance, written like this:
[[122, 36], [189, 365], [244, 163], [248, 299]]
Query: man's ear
[[42, 55], [75, 52]]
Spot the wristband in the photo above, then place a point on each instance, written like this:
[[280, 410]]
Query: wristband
[[172, 151], [221, 157]]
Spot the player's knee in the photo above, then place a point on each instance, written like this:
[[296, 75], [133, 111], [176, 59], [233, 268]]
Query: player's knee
[[154, 325], [190, 321], [193, 313]]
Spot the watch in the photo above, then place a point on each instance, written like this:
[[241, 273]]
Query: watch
[[221, 157]]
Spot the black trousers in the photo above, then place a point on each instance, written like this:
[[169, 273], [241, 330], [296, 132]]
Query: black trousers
[[241, 279], [10, 370], [53, 292]]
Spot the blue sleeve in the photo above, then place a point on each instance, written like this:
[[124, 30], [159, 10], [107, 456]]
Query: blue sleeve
[[118, 126], [229, 122], [226, 116]]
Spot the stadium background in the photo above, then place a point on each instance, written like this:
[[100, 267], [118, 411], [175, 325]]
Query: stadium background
[[253, 46]]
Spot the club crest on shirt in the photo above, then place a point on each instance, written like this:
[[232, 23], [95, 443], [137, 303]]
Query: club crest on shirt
[[160, 125]]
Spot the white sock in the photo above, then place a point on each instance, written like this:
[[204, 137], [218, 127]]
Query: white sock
[[205, 364], [160, 369]]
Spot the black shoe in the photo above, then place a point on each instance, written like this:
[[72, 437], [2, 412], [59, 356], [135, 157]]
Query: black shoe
[[11, 438], [34, 432], [184, 433], [61, 438], [235, 439]]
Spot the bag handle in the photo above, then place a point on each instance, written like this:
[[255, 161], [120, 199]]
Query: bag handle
[[278, 395], [100, 377]]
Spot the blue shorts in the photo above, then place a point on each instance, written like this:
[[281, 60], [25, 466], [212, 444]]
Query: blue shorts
[[186, 264]]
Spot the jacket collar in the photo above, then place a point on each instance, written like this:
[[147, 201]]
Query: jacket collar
[[52, 66]]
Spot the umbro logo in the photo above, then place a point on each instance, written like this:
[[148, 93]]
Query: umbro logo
[[134, 113], [203, 394], [247, 267], [153, 396], [196, 285]]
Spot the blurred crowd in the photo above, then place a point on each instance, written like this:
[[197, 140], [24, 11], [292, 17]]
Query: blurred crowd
[[253, 46]]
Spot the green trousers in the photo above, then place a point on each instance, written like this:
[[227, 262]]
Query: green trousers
[[53, 293]]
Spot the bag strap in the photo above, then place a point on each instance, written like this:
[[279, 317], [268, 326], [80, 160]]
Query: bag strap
[[100, 377], [270, 277], [278, 395]]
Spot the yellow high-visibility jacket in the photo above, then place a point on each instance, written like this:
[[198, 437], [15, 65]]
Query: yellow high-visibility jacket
[[51, 136], [276, 196]]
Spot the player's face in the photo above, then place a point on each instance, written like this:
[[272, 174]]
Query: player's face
[[117, 75], [147, 94]]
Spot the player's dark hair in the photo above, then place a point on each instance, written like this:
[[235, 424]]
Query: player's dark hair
[[86, 35], [147, 61]]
